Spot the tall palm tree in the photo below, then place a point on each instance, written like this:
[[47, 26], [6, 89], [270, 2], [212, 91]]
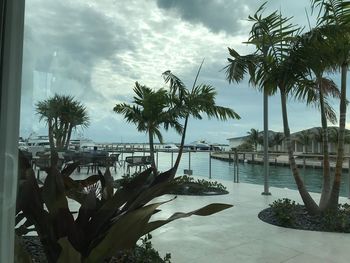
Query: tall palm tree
[[62, 114], [194, 103], [253, 137], [318, 89], [270, 69], [149, 112], [334, 23]]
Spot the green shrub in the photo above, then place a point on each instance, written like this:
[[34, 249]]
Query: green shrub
[[143, 253], [336, 220], [284, 211], [245, 147], [188, 185]]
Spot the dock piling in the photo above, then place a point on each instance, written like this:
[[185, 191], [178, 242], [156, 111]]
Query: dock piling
[[210, 164], [349, 178]]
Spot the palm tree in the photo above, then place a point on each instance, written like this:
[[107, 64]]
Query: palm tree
[[318, 89], [253, 137], [304, 137], [270, 69], [333, 136], [62, 114], [277, 139], [334, 23], [150, 111], [318, 137], [194, 103]]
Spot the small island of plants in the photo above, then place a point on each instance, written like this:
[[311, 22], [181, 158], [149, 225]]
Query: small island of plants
[[287, 213]]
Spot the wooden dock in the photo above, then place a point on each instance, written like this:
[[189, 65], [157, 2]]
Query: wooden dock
[[279, 159]]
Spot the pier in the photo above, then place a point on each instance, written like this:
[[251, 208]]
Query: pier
[[281, 159]]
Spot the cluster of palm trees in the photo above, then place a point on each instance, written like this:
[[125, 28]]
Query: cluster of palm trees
[[255, 138], [152, 110], [62, 115], [307, 136], [285, 61]]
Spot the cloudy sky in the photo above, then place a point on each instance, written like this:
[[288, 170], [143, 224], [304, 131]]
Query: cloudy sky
[[96, 51]]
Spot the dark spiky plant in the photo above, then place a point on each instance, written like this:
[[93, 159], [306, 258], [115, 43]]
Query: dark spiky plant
[[108, 222]]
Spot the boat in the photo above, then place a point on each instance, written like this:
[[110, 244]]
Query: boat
[[170, 147], [36, 143], [200, 145], [82, 144]]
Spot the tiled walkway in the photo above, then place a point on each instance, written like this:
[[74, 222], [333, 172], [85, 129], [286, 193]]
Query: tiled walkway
[[237, 235]]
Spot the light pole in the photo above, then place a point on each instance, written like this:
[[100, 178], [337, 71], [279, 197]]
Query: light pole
[[266, 144]]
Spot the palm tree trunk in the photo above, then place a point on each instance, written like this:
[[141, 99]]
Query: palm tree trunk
[[53, 150], [326, 168], [151, 150], [69, 134], [309, 203], [65, 134], [51, 136], [179, 155], [56, 131], [334, 196]]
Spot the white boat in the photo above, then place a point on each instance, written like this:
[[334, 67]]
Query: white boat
[[201, 145], [82, 144], [170, 147], [36, 143]]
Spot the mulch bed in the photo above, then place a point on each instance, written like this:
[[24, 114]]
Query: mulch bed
[[35, 249], [302, 221], [194, 188]]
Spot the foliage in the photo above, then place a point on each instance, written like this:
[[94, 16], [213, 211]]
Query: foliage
[[285, 61], [284, 211], [143, 253], [336, 220], [277, 139], [333, 23], [103, 215], [194, 103], [253, 137], [304, 138], [245, 147], [149, 111], [62, 114], [189, 186], [185, 185]]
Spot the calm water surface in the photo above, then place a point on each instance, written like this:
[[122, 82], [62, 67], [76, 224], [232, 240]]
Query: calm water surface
[[248, 173]]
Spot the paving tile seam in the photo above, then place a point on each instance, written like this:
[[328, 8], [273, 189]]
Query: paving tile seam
[[239, 245], [288, 259]]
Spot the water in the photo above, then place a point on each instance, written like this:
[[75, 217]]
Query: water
[[248, 173]]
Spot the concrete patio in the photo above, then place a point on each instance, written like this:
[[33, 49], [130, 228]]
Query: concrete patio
[[238, 235]]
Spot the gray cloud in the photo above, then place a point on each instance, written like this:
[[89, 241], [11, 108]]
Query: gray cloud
[[216, 15], [74, 37], [96, 50]]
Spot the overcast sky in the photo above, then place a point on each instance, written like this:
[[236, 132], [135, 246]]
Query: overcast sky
[[97, 50]]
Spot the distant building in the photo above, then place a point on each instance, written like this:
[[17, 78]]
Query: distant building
[[236, 141]]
